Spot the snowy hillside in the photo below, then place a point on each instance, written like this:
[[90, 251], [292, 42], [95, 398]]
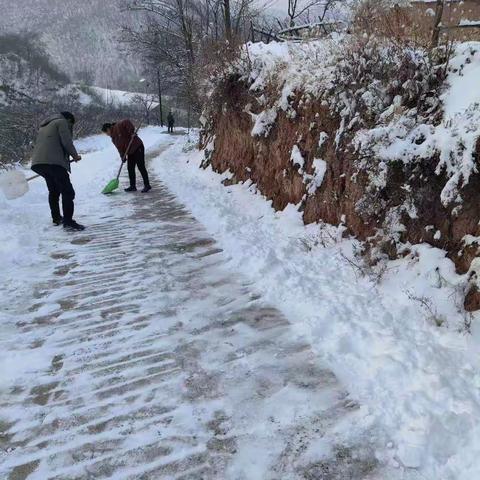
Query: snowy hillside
[[81, 37], [26, 72], [383, 143], [119, 98]]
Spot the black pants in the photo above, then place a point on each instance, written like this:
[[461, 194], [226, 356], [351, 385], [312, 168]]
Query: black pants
[[58, 183], [170, 128], [137, 159]]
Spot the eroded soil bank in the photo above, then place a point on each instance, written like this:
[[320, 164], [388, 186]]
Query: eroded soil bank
[[385, 176]]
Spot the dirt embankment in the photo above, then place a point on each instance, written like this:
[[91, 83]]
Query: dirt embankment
[[375, 215]]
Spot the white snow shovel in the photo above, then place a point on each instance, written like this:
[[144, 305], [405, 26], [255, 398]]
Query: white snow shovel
[[14, 184]]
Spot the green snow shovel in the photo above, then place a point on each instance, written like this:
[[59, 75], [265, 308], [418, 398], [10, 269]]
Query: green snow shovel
[[112, 185]]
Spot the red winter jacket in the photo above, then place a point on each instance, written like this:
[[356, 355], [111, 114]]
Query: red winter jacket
[[122, 133]]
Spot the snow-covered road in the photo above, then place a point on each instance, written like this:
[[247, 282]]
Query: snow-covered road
[[134, 351], [206, 336]]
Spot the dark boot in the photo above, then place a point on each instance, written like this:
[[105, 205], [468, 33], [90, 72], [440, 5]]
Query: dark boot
[[57, 221], [73, 226], [131, 189], [146, 189]]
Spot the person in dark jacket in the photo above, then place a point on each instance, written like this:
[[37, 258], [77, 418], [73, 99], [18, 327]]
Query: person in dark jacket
[[131, 149], [170, 121], [51, 160]]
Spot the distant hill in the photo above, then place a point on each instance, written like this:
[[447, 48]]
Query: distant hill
[[26, 72], [81, 37]]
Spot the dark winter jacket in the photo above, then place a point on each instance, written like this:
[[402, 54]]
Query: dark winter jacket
[[54, 143], [122, 133], [170, 120]]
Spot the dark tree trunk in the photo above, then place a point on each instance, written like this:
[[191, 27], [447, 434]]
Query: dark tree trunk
[[228, 19], [437, 22]]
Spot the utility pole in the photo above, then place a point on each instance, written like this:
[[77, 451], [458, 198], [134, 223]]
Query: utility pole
[[160, 107]]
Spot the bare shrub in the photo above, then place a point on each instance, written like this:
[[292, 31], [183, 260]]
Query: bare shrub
[[428, 307], [364, 265], [377, 81], [394, 21], [374, 72], [457, 296]]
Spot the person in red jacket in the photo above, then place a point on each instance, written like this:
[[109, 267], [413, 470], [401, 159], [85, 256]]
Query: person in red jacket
[[131, 149]]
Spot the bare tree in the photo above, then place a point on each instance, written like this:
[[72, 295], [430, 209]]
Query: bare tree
[[145, 103], [327, 6], [298, 9], [440, 6], [228, 19], [175, 35]]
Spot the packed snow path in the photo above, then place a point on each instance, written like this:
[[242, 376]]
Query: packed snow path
[[164, 364]]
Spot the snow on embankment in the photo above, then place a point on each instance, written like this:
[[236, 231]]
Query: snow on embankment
[[380, 138]]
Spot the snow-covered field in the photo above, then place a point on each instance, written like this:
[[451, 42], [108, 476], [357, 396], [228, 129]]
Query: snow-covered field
[[418, 383]]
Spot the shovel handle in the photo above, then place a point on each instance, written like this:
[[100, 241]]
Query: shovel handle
[[36, 176], [120, 170], [126, 151], [32, 178]]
